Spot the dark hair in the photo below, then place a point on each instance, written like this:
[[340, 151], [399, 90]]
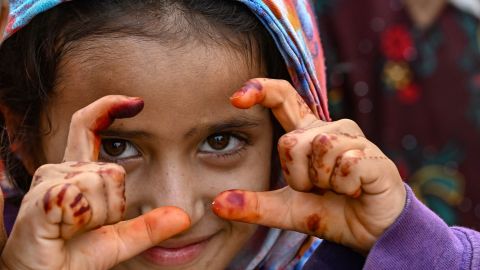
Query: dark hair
[[30, 58]]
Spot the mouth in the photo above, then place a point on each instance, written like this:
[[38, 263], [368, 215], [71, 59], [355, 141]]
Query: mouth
[[176, 253]]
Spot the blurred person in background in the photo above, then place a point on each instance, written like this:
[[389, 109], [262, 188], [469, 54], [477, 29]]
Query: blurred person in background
[[408, 72]]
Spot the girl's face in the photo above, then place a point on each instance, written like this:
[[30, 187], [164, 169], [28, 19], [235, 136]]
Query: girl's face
[[185, 147]]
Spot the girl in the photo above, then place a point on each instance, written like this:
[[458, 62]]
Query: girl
[[119, 122]]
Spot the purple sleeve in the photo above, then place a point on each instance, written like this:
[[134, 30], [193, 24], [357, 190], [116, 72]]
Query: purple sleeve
[[419, 239]]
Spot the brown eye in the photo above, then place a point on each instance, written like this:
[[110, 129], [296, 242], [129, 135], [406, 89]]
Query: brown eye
[[218, 141], [113, 147]]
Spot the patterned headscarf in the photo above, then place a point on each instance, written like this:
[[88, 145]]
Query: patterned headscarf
[[292, 25]]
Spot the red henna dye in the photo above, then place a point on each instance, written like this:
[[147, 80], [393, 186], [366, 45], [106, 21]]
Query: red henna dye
[[346, 167], [61, 194], [313, 222], [81, 211], [127, 109], [46, 201], [312, 172], [320, 147], [76, 200], [253, 84], [287, 143], [236, 198]]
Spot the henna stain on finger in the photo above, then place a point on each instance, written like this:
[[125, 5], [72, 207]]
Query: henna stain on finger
[[312, 172], [76, 200], [236, 198], [346, 166], [46, 201], [252, 84], [313, 223], [82, 210], [61, 194], [287, 143], [321, 145], [126, 109]]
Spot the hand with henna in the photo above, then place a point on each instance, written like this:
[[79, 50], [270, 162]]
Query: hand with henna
[[72, 216], [341, 187]]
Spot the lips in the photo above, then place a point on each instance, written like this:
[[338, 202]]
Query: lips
[[173, 254]]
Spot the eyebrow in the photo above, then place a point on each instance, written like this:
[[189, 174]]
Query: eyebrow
[[243, 122], [127, 134], [233, 123]]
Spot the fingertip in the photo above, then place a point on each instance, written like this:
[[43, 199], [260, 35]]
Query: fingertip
[[249, 95], [236, 205], [172, 220], [129, 108]]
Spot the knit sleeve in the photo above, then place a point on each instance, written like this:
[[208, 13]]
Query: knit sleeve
[[419, 239]]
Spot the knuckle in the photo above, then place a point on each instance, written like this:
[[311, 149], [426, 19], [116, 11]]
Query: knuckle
[[348, 123], [115, 168], [322, 141], [45, 168], [284, 83], [287, 141], [77, 116]]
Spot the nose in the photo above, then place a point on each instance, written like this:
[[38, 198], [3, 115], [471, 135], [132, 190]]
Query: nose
[[170, 182]]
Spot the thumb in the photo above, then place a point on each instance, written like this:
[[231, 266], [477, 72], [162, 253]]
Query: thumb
[[113, 244]]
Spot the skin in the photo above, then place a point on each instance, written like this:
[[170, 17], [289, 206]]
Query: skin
[[341, 186], [173, 174]]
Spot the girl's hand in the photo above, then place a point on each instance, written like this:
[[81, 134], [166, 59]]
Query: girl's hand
[[71, 217], [341, 187]]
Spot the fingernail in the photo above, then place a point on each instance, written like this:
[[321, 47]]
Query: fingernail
[[240, 93]]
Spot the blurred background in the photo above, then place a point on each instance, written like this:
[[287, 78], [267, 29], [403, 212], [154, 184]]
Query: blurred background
[[408, 72]]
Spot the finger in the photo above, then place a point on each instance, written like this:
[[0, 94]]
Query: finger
[[293, 150], [113, 244], [277, 209], [103, 187], [83, 142], [278, 95], [64, 205], [326, 152]]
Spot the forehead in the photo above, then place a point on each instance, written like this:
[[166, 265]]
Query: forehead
[[193, 79]]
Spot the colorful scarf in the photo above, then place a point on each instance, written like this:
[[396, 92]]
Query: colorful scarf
[[292, 25]]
